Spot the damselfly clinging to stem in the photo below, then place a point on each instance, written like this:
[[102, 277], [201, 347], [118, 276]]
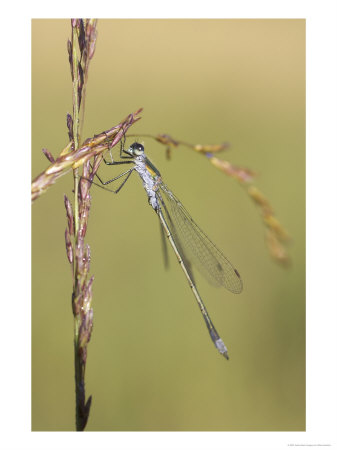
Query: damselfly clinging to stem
[[189, 242]]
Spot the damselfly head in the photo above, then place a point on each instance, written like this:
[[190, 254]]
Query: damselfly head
[[135, 149]]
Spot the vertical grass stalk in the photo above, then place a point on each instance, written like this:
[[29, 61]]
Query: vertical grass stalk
[[80, 49]]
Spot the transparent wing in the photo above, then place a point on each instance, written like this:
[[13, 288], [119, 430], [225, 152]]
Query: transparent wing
[[175, 235], [197, 248], [164, 246]]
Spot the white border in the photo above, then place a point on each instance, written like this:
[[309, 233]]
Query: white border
[[321, 225]]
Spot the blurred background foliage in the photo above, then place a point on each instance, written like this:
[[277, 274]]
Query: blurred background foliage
[[151, 364]]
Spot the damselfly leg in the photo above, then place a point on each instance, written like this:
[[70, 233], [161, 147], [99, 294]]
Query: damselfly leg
[[104, 183], [116, 163]]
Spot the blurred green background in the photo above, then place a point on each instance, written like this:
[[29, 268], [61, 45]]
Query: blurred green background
[[151, 364]]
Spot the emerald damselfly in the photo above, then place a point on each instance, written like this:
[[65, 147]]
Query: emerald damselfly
[[190, 244]]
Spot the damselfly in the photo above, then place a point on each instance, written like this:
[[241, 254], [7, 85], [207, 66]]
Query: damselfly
[[189, 242]]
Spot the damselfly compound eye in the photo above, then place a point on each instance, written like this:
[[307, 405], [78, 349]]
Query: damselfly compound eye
[[137, 149]]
